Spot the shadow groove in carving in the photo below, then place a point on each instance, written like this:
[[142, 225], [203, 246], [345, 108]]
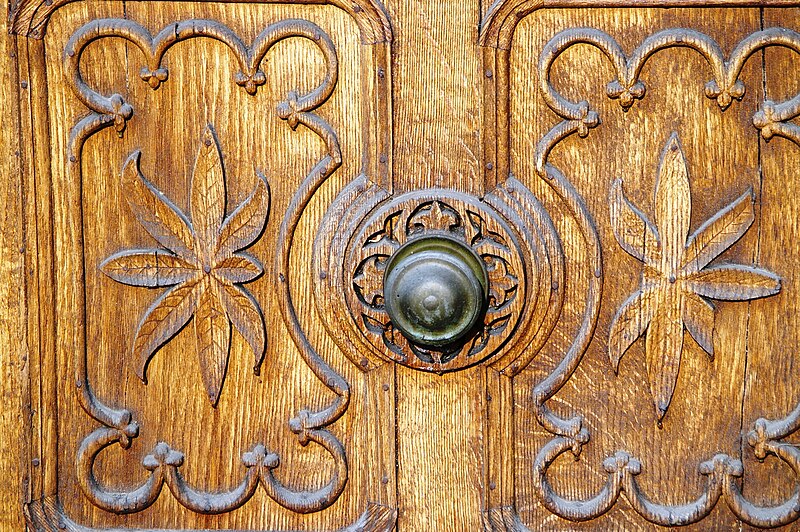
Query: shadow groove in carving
[[309, 425]]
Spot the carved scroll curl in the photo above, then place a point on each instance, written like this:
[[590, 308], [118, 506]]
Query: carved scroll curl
[[310, 425]]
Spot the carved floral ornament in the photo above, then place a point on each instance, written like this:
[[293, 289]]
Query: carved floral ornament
[[202, 268], [202, 265], [676, 279], [460, 222]]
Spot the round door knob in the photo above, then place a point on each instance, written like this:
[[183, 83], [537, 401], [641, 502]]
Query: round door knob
[[435, 289]]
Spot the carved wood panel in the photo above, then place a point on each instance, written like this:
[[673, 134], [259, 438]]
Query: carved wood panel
[[213, 193]]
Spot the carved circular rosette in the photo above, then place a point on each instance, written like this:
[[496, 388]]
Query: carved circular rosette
[[515, 247]]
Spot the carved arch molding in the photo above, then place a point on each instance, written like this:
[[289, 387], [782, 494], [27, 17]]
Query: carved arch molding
[[203, 254]]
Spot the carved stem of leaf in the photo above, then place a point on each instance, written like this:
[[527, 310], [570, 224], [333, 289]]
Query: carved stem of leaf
[[550, 385]]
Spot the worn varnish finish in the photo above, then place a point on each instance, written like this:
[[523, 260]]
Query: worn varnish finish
[[200, 200]]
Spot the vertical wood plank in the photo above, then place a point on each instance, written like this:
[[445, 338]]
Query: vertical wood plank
[[437, 99], [773, 363], [14, 417], [439, 428]]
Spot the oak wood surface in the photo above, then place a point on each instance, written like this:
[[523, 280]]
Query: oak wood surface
[[14, 433], [672, 192]]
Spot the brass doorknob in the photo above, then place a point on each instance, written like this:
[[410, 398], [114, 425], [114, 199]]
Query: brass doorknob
[[435, 289]]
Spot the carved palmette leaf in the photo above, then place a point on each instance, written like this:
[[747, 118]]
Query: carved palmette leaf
[[673, 206], [163, 220], [369, 280], [632, 229], [483, 237], [246, 316], [238, 268], [150, 267], [438, 216], [629, 323], [501, 282], [720, 232], [698, 316], [387, 233], [663, 348], [213, 334], [734, 282], [168, 314], [207, 195], [247, 221]]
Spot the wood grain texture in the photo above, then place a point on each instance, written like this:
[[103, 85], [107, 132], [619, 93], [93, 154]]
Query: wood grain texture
[[772, 335], [14, 290], [255, 411], [627, 145], [210, 190], [436, 92]]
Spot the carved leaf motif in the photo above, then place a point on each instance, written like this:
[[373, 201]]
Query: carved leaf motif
[[634, 232], [163, 220], [663, 349], [202, 262], [207, 201], [246, 316], [238, 268], [734, 282], [501, 282], [373, 325], [246, 223], [698, 316], [369, 281], [720, 232], [161, 322], [483, 234], [150, 267], [437, 216], [629, 323], [213, 333], [676, 278], [673, 206], [387, 232]]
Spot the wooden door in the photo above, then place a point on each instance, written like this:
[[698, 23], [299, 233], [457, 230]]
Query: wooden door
[[420, 265]]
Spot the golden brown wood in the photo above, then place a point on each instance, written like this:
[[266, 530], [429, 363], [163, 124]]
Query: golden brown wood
[[178, 171], [14, 330]]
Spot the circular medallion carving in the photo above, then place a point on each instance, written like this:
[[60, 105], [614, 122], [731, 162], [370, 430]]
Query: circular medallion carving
[[471, 280], [411, 232]]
